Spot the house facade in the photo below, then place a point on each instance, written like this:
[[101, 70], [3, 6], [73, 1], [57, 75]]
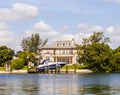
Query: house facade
[[60, 51]]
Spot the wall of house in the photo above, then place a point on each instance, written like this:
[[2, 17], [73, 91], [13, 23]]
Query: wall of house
[[47, 54], [53, 54]]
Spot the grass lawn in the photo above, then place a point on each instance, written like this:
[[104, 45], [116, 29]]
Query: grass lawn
[[24, 68], [78, 66]]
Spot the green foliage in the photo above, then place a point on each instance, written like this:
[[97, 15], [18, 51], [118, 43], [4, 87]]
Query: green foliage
[[17, 64], [31, 68], [95, 52], [32, 57], [78, 66], [21, 62], [2, 68], [33, 43], [25, 68], [23, 59], [115, 60], [69, 67], [23, 56], [6, 54]]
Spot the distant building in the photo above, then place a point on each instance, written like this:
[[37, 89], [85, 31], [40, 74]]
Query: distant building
[[60, 51]]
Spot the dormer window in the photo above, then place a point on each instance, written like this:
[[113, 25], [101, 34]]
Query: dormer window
[[57, 44], [69, 44], [63, 44]]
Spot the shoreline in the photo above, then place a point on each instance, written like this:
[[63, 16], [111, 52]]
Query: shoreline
[[14, 72], [62, 71]]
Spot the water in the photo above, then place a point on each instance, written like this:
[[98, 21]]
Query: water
[[60, 84]]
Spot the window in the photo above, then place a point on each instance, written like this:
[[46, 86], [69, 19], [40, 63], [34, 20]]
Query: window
[[57, 52], [57, 44], [69, 44], [70, 51], [63, 51]]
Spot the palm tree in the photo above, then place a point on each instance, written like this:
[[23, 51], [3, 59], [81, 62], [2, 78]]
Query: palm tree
[[32, 59]]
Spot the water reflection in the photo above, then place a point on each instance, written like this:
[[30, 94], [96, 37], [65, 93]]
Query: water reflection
[[96, 89], [60, 84], [100, 84]]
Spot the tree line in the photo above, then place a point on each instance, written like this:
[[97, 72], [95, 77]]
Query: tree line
[[94, 52], [97, 54]]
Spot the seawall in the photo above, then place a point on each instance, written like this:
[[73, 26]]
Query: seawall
[[62, 71]]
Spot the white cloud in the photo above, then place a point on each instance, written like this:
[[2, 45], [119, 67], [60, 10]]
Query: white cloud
[[45, 30], [113, 30], [3, 26], [42, 27], [7, 37], [116, 39], [85, 28], [114, 35], [4, 33], [18, 11]]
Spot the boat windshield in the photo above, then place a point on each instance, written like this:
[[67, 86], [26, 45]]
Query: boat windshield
[[43, 61]]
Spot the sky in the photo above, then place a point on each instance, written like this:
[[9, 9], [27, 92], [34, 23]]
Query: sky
[[58, 20]]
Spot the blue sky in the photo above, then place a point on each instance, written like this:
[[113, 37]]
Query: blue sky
[[58, 20]]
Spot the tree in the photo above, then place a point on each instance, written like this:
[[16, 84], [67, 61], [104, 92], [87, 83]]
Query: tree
[[24, 55], [98, 57], [6, 54], [115, 60], [21, 61], [32, 60], [32, 57], [98, 37], [33, 43], [95, 52]]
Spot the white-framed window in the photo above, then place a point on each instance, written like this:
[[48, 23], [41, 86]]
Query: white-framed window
[[57, 52]]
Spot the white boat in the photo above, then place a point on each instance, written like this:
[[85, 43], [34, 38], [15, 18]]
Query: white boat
[[46, 64]]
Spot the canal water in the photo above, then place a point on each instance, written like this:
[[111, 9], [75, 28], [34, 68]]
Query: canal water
[[60, 84]]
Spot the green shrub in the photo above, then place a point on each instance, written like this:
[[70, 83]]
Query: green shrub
[[17, 64], [2, 68], [83, 66]]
